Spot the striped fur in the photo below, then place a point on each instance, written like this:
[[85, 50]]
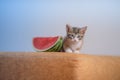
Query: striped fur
[[74, 39]]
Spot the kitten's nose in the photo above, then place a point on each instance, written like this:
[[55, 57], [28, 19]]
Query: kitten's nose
[[75, 40]]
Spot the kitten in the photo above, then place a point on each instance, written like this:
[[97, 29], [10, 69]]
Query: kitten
[[74, 39]]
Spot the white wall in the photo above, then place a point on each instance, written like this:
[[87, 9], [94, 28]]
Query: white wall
[[22, 20]]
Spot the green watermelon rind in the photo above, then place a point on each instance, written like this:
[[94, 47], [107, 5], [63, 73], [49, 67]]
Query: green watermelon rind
[[61, 42], [59, 46], [56, 47], [48, 49]]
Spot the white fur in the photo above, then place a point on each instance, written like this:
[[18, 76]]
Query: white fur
[[77, 51], [73, 43], [73, 47], [68, 50]]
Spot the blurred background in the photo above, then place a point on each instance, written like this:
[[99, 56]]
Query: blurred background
[[21, 20]]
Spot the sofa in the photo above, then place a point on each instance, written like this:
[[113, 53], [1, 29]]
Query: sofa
[[58, 66]]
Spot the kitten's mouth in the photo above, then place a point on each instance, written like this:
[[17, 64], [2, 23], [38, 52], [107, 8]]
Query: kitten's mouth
[[75, 41]]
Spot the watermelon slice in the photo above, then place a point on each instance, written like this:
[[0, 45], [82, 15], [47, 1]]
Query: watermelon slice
[[48, 44]]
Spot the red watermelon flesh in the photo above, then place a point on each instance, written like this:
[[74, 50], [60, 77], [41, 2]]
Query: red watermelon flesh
[[44, 43]]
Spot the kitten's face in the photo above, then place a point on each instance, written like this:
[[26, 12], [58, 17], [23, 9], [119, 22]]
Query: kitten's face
[[75, 34]]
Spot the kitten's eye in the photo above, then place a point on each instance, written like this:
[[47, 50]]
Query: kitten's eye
[[81, 36], [78, 36], [70, 36]]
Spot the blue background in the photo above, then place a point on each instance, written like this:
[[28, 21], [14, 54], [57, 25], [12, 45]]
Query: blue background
[[21, 20]]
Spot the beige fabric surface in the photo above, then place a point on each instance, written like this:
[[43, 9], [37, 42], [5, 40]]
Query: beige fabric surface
[[58, 66]]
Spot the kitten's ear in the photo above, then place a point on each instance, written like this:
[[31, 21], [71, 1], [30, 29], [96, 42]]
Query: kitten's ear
[[83, 29], [68, 28]]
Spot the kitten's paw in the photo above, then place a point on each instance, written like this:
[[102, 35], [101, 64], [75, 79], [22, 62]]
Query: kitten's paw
[[77, 51], [68, 50]]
